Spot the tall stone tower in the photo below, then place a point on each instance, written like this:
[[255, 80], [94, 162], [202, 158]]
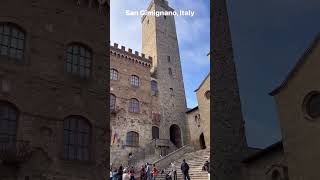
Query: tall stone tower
[[228, 133], [159, 40]]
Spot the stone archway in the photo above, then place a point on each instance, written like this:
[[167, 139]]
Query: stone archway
[[202, 141], [175, 135]]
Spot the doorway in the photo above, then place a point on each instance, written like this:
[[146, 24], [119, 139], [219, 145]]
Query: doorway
[[175, 135], [202, 141]]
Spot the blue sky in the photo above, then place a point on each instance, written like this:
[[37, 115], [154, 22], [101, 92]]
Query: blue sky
[[268, 39], [193, 37]]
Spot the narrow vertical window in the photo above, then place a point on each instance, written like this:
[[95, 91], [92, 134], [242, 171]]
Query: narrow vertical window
[[113, 74], [170, 71], [155, 132], [154, 87], [8, 125], [134, 106], [135, 81], [112, 102], [171, 92]]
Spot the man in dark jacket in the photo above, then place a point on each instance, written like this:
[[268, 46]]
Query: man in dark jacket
[[185, 170], [206, 166]]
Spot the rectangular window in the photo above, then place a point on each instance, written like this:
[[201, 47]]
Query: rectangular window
[[169, 60]]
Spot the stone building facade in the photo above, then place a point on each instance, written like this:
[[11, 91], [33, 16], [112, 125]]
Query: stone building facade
[[159, 94], [199, 117], [159, 40], [53, 89], [298, 105], [130, 81], [266, 164]]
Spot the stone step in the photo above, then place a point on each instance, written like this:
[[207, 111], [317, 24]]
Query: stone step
[[205, 177], [195, 161]]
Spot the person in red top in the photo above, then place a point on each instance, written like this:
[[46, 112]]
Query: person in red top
[[143, 175], [131, 172], [154, 172]]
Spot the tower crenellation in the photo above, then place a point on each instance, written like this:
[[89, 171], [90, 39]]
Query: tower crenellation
[[128, 54]]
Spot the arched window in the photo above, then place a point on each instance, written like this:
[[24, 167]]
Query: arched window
[[132, 138], [8, 124], [207, 94], [312, 105], [77, 133], [113, 74], [155, 132], [170, 71], [134, 105], [112, 102], [12, 41], [135, 81], [79, 60], [154, 87]]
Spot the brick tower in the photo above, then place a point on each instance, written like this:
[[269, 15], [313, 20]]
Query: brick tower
[[159, 40], [228, 135]]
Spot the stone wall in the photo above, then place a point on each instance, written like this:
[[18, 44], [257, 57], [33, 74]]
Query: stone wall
[[159, 40], [300, 132], [194, 127], [123, 121], [204, 109], [262, 164], [45, 94]]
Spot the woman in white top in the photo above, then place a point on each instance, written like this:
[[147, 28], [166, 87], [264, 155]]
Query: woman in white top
[[173, 171], [125, 175]]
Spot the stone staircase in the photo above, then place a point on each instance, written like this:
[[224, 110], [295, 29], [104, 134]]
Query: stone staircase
[[195, 160], [151, 152]]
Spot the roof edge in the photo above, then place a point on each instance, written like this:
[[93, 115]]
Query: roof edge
[[257, 155], [300, 62], [193, 109], [202, 82]]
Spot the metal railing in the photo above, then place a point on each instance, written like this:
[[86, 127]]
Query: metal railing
[[16, 151], [149, 150]]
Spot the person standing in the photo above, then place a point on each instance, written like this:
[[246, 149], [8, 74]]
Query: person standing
[[131, 172], [185, 170], [206, 166], [154, 172], [125, 175], [143, 173], [120, 172], [148, 171], [173, 171]]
